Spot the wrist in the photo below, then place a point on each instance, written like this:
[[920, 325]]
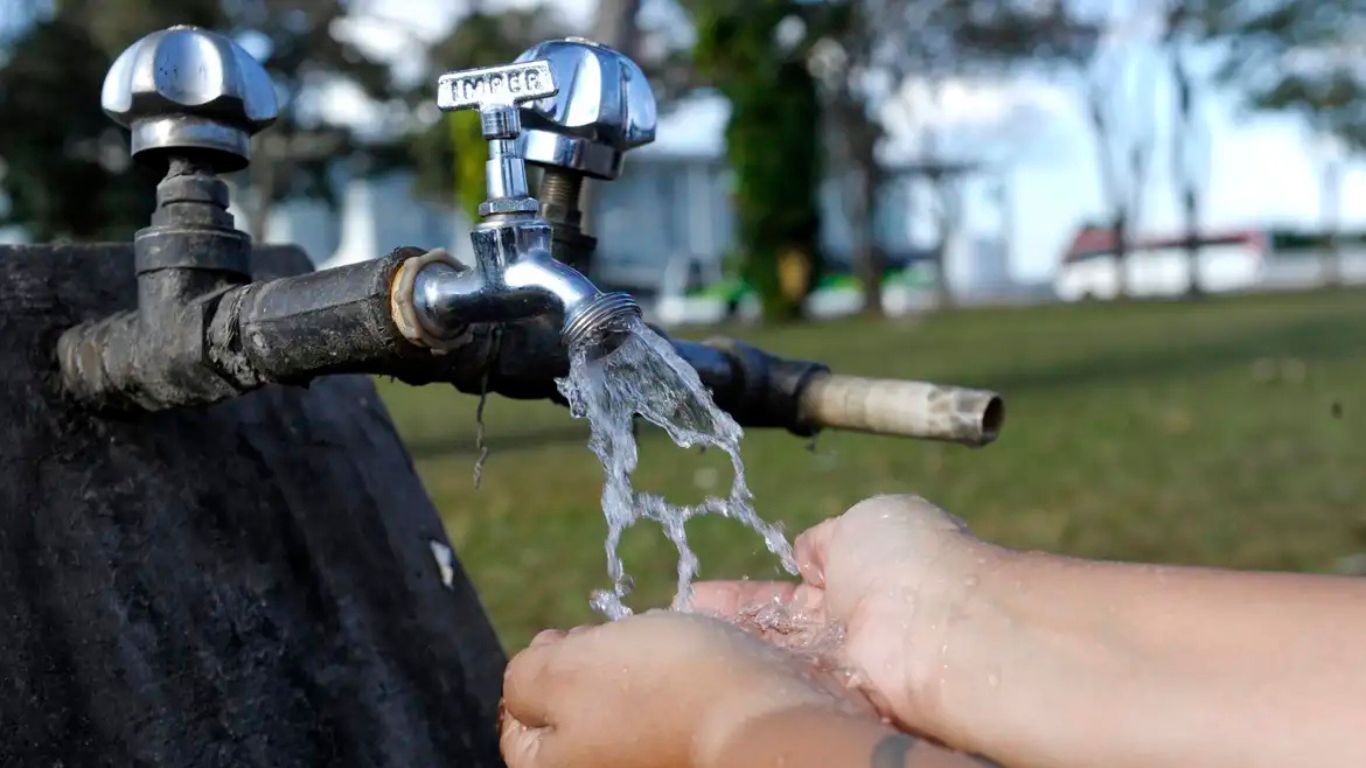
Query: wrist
[[729, 719], [798, 736], [987, 682], [954, 642]]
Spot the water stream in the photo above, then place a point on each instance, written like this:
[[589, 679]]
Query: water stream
[[644, 376]]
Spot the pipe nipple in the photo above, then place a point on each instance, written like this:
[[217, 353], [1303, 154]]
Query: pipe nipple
[[599, 321]]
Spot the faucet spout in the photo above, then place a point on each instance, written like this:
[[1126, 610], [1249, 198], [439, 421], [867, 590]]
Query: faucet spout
[[514, 277], [585, 310]]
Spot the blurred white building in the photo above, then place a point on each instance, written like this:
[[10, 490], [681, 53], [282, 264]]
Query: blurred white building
[[1250, 260]]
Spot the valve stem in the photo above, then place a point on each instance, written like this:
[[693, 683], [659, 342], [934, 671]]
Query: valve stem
[[560, 189]]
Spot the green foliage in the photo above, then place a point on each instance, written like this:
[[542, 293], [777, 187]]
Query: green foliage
[[65, 166], [67, 171], [471, 153], [762, 53], [449, 155], [1297, 55], [772, 142]]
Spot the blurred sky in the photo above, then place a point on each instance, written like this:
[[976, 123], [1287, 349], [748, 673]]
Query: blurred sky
[[1263, 169]]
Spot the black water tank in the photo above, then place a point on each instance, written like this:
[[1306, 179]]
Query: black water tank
[[252, 583]]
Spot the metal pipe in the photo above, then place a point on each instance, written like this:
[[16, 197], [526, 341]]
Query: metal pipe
[[297, 328], [902, 408], [293, 329]]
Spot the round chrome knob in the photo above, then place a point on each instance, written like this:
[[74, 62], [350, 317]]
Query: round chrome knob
[[186, 88], [604, 108]]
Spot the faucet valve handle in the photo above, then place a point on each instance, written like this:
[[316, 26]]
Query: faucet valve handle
[[186, 89], [604, 109], [496, 92]]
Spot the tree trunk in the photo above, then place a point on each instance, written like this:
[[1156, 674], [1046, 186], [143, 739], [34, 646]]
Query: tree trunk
[[1195, 288], [865, 182], [864, 252], [949, 193], [1332, 254], [1111, 184], [1183, 165], [1121, 231], [614, 24]]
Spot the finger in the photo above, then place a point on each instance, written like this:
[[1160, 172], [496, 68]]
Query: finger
[[547, 636], [729, 599], [523, 746], [812, 549], [529, 688], [808, 603]]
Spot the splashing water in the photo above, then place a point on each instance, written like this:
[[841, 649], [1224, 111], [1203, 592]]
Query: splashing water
[[645, 376]]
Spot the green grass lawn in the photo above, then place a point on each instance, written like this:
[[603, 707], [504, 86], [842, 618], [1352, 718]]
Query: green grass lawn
[[1225, 432]]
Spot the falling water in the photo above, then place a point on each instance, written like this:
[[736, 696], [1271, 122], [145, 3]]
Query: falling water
[[645, 376]]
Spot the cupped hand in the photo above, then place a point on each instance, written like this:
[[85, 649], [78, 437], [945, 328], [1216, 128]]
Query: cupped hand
[[657, 689], [894, 573]]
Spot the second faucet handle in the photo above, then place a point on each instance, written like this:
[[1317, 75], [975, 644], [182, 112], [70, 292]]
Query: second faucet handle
[[604, 108], [496, 92]]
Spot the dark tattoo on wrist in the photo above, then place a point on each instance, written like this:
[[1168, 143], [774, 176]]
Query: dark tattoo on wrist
[[891, 751]]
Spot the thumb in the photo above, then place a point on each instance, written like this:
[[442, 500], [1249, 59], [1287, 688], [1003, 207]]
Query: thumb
[[812, 551]]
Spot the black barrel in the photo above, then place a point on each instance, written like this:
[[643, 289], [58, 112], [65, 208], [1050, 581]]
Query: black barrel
[[260, 582]]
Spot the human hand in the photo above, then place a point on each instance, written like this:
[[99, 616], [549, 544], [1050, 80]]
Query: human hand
[[657, 689], [895, 572]]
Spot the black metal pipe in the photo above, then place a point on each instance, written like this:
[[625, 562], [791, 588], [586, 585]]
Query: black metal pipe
[[759, 389], [293, 329]]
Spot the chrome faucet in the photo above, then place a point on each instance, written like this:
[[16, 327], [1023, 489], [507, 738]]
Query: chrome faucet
[[604, 109], [514, 275]]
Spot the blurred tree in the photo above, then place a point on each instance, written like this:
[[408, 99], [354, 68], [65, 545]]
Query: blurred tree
[[845, 61], [871, 49], [614, 24], [1120, 94], [66, 172], [75, 182], [67, 182], [1305, 57], [303, 55], [1185, 24], [754, 53], [449, 154], [858, 53]]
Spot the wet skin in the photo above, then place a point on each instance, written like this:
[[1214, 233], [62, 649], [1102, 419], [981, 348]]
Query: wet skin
[[1028, 658]]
